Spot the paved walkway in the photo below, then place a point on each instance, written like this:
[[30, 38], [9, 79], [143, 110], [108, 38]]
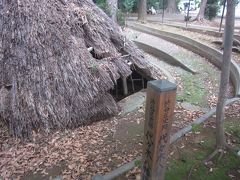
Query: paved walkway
[[181, 54], [178, 19]]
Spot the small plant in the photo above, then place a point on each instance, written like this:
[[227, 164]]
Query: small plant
[[196, 127], [138, 163]]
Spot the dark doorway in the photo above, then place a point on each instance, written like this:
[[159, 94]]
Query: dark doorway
[[135, 82]]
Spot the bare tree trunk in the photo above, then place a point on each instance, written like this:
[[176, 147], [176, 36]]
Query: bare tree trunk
[[113, 7], [142, 10], [227, 53], [200, 15], [171, 7]]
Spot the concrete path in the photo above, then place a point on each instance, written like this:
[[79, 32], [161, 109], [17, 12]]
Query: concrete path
[[213, 55], [184, 56], [132, 102]]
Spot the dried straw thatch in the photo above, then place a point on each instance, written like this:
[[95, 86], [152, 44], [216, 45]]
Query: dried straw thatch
[[48, 78]]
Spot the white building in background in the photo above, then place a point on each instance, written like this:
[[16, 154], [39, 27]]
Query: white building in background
[[183, 5], [237, 11]]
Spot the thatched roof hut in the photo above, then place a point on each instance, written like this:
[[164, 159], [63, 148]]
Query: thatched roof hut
[[48, 77]]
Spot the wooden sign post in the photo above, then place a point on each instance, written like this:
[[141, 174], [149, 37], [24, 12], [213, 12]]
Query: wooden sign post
[[161, 97]]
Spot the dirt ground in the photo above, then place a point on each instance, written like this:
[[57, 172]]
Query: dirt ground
[[83, 152]]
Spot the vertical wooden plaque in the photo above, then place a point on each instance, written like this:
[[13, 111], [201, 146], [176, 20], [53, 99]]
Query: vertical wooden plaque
[[160, 103]]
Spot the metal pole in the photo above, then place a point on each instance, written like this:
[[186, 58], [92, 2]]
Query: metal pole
[[224, 6], [163, 10], [188, 13]]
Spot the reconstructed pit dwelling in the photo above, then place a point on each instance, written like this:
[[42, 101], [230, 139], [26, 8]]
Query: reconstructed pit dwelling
[[59, 60]]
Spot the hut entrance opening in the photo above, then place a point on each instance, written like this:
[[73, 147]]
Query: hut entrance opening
[[127, 86]]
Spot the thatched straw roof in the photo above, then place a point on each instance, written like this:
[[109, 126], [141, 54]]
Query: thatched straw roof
[[48, 78]]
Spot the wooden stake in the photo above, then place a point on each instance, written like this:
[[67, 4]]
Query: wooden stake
[[125, 86], [160, 103]]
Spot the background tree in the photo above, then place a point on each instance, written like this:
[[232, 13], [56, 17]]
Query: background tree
[[165, 3], [127, 5], [225, 73], [212, 8], [208, 9], [172, 7], [142, 10], [110, 7], [200, 15]]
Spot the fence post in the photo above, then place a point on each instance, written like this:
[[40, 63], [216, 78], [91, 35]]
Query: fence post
[[160, 103]]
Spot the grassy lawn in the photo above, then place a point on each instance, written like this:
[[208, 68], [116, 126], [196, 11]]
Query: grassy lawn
[[195, 152], [194, 91], [196, 88], [232, 126], [220, 169]]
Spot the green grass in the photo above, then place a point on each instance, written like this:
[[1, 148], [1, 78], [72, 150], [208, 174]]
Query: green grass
[[220, 169], [196, 127], [138, 163], [196, 153], [196, 149], [232, 126], [179, 169], [193, 91]]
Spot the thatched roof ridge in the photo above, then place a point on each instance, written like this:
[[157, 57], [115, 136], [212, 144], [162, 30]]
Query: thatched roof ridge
[[48, 78]]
